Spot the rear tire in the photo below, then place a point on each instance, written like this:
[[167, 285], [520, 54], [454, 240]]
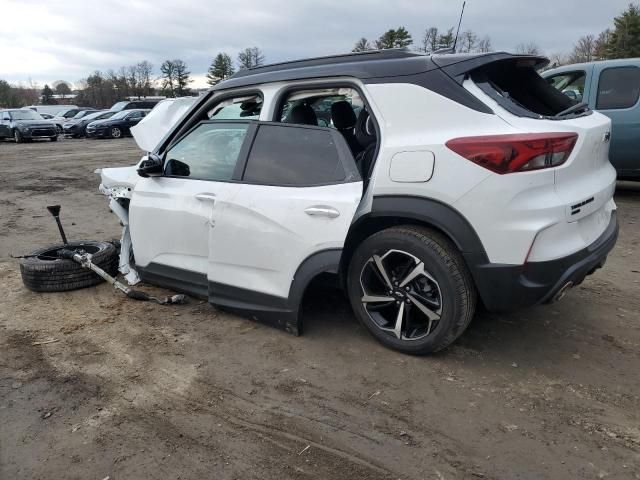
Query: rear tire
[[115, 132], [409, 286], [43, 272]]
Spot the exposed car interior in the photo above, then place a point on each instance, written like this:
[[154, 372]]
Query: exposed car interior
[[339, 108]]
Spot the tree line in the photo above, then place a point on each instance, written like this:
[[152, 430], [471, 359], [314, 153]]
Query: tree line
[[103, 89], [621, 41]]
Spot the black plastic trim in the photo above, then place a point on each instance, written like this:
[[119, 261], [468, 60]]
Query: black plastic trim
[[284, 313], [184, 281], [509, 287]]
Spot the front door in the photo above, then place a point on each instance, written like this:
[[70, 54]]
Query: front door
[[300, 190], [173, 217]]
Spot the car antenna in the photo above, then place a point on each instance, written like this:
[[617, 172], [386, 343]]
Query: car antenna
[[455, 42]]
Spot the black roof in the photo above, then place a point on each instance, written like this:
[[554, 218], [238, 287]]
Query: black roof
[[375, 64]]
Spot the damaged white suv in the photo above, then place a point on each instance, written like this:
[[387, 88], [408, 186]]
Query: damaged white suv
[[426, 183]]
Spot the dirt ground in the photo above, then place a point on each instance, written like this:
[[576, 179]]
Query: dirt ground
[[131, 390]]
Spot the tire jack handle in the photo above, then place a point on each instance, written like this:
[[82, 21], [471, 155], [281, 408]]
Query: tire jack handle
[[55, 211], [84, 259]]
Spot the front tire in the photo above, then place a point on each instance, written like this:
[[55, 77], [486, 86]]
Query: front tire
[[53, 139], [17, 136], [115, 132], [410, 287]]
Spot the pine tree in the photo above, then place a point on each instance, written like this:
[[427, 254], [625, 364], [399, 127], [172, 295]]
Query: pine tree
[[47, 96], [398, 38], [624, 41], [221, 68]]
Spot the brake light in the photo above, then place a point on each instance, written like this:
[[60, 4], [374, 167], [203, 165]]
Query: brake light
[[516, 152]]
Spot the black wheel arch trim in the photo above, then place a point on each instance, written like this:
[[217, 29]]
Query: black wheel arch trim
[[280, 312], [429, 211]]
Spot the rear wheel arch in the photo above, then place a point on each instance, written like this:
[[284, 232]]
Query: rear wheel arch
[[393, 211]]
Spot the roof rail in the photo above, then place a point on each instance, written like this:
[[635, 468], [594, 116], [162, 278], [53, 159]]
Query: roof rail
[[370, 55]]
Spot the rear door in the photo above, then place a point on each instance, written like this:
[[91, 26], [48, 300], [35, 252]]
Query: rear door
[[300, 190], [617, 95]]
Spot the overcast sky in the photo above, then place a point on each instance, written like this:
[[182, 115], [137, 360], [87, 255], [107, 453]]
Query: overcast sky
[[48, 40]]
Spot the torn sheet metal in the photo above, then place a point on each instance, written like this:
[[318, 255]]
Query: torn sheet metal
[[152, 128]]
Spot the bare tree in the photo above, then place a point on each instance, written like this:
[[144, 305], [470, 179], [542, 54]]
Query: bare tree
[[429, 42], [468, 41], [484, 45], [530, 48], [583, 50], [362, 45], [250, 57]]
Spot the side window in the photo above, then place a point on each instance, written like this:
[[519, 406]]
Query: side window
[[5, 116], [618, 88], [293, 156], [247, 107], [571, 84], [208, 152], [134, 115]]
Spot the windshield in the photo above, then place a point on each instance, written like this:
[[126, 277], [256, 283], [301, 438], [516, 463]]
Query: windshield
[[99, 115], [119, 106], [24, 115], [82, 114]]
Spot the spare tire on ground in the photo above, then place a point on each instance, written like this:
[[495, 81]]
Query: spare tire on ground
[[42, 271]]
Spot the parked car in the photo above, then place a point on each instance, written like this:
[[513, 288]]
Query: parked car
[[25, 125], [611, 87], [115, 126], [64, 116], [76, 127], [463, 178], [46, 116], [134, 105]]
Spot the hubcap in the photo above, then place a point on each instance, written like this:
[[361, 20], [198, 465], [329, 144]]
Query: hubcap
[[400, 297]]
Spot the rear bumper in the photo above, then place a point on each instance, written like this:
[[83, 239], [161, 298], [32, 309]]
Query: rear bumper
[[509, 287]]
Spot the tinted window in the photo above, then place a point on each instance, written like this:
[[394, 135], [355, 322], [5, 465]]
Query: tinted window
[[209, 152], [618, 88], [293, 156]]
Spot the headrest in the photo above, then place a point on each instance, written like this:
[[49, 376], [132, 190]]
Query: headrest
[[365, 132], [303, 114], [342, 115]]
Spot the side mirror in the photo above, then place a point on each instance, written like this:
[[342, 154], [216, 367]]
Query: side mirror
[[151, 167]]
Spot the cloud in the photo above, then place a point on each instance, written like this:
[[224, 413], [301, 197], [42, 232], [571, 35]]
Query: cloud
[[48, 40]]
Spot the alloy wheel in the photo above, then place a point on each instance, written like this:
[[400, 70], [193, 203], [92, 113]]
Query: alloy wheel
[[116, 132], [400, 296]]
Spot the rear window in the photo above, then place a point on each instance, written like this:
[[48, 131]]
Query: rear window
[[618, 88], [518, 88]]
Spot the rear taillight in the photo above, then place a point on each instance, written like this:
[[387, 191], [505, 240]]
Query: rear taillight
[[516, 152]]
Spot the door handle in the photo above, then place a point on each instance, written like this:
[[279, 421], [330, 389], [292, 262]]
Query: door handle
[[206, 197], [322, 211]]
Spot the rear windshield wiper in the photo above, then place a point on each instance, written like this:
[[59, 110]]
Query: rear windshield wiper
[[573, 108]]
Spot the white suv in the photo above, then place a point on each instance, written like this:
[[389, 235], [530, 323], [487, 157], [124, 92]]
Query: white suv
[[426, 183]]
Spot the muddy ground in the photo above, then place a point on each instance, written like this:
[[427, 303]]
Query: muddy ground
[[131, 390]]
